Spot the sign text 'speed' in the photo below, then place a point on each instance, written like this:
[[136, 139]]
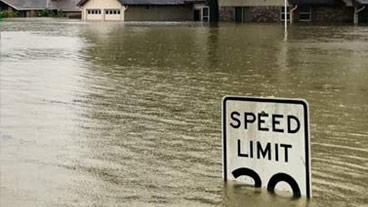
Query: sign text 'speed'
[[261, 119]]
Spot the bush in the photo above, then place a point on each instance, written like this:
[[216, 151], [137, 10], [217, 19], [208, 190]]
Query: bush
[[59, 14], [7, 14], [40, 13], [43, 13]]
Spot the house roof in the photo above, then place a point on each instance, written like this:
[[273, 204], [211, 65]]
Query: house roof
[[313, 2], [348, 2], [82, 2], [149, 2], [26, 4], [327, 2], [160, 2], [152, 2], [250, 3], [64, 5], [363, 1]]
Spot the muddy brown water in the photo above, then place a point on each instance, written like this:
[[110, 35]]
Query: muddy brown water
[[114, 114]]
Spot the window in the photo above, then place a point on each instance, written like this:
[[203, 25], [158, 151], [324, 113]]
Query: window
[[205, 14], [201, 13], [93, 11], [242, 14], [112, 11], [282, 14], [305, 13]]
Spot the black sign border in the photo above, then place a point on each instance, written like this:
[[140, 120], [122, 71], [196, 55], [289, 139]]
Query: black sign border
[[269, 100]]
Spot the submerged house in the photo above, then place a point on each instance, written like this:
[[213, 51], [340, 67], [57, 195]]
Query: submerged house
[[28, 8], [360, 11], [320, 11], [144, 10], [337, 11], [334, 11]]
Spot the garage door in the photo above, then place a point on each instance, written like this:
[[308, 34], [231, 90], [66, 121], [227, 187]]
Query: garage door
[[94, 14], [112, 14]]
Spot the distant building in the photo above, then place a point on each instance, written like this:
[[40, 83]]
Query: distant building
[[337, 11], [144, 10], [321, 11], [360, 11], [27, 8]]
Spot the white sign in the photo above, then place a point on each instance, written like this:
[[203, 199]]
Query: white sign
[[265, 142]]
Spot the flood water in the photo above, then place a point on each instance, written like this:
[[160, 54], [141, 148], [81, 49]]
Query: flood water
[[113, 114]]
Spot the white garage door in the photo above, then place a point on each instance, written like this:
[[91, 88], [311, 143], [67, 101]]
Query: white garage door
[[112, 14], [94, 14]]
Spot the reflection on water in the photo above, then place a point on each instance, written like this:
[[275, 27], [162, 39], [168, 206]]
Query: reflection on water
[[129, 114]]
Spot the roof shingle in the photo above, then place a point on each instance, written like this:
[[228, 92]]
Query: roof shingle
[[64, 5], [24, 4], [313, 2], [363, 1], [150, 2]]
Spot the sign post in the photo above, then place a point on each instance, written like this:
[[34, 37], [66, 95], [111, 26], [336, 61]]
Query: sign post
[[266, 143], [285, 19]]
